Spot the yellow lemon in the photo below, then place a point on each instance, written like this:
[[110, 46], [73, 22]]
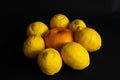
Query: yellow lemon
[[75, 55], [49, 61], [32, 46], [59, 20], [37, 28], [75, 24], [89, 38]]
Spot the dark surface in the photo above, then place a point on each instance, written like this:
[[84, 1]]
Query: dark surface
[[96, 13]]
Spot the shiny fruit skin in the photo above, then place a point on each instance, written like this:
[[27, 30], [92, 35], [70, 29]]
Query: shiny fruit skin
[[76, 24], [75, 56], [37, 28], [49, 61], [32, 46], [59, 20], [58, 36], [89, 38]]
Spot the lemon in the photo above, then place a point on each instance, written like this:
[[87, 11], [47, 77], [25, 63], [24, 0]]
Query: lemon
[[37, 28], [89, 38], [49, 61], [75, 55], [59, 20], [77, 23], [32, 46]]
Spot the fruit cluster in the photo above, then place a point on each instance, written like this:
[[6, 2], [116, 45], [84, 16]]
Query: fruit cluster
[[65, 41]]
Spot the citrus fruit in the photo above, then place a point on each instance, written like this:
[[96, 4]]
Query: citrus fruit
[[49, 61], [32, 46], [56, 37], [37, 28], [59, 20], [89, 38], [75, 55], [75, 24]]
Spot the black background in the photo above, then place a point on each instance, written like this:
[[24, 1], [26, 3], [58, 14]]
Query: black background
[[16, 15]]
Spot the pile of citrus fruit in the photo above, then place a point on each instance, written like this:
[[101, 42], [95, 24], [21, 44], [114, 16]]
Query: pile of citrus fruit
[[62, 41]]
